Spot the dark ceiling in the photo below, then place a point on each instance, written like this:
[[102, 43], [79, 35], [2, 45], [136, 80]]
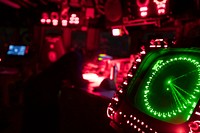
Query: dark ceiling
[[19, 4], [25, 12], [28, 12]]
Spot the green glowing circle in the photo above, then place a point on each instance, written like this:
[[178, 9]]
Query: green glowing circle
[[172, 87]]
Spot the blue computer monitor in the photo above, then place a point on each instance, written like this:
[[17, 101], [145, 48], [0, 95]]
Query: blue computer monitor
[[16, 50]]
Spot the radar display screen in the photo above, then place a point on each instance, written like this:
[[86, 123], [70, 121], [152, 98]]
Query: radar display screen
[[170, 86]]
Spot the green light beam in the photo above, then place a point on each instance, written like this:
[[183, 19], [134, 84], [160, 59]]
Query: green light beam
[[179, 88], [175, 96], [184, 75], [180, 95]]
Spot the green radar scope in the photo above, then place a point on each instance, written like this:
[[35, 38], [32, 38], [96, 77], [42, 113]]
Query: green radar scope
[[169, 87]]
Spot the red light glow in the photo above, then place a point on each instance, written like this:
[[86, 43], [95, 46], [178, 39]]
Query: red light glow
[[52, 56], [42, 20], [55, 22], [116, 32], [93, 78], [51, 46], [143, 7], [74, 19], [165, 46], [152, 46], [54, 15], [161, 11], [180, 130], [143, 52], [90, 76], [45, 16], [143, 14], [161, 6], [143, 3], [64, 22], [158, 2], [109, 112], [48, 21], [194, 126], [89, 13], [143, 11]]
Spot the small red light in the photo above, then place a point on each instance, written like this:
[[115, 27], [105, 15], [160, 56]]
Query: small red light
[[73, 15], [143, 14], [143, 11], [194, 126], [55, 22], [42, 20], [64, 22], [161, 11], [143, 8], [161, 6], [48, 21], [160, 1], [52, 56], [45, 15], [51, 46], [116, 32], [74, 19]]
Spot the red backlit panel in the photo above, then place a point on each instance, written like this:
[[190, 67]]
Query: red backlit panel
[[145, 8], [56, 19]]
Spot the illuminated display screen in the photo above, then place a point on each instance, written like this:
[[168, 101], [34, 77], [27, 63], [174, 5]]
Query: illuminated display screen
[[16, 50], [170, 87]]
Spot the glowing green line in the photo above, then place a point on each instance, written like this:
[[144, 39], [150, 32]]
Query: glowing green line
[[184, 75], [175, 96], [179, 88], [181, 96]]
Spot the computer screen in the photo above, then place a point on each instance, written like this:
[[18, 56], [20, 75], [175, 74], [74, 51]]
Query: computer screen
[[16, 50]]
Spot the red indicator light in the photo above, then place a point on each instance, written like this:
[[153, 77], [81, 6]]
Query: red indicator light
[[48, 21], [42, 20], [74, 19], [52, 56], [116, 32], [64, 22], [51, 46], [161, 6], [143, 14], [55, 22], [143, 7]]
